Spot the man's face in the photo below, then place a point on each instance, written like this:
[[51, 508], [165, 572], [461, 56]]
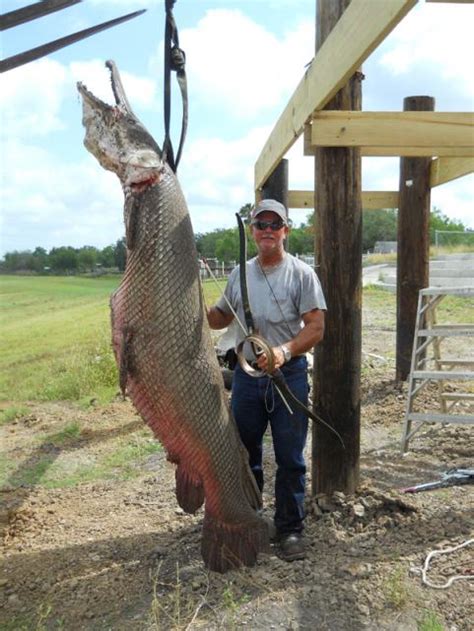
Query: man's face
[[268, 240]]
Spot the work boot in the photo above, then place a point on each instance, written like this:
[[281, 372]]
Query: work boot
[[292, 547]]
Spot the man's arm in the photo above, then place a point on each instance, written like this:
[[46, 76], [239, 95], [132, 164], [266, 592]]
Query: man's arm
[[310, 335], [218, 319]]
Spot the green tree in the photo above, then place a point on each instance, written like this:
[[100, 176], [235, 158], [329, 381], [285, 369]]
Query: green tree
[[106, 257], [40, 257], [19, 261], [206, 242], [227, 245], [63, 259], [378, 225], [87, 257], [120, 254], [301, 240], [438, 221]]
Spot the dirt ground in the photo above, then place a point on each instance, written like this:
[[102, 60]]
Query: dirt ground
[[122, 555]]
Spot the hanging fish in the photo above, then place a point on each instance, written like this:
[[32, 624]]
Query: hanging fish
[[162, 342]]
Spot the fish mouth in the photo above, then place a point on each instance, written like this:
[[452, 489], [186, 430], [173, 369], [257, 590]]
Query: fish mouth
[[121, 100], [89, 97]]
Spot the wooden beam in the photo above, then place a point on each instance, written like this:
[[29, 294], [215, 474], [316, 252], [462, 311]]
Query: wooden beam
[[426, 152], [413, 250], [447, 169], [374, 200], [361, 28], [371, 200], [401, 151], [338, 223], [396, 133], [452, 1]]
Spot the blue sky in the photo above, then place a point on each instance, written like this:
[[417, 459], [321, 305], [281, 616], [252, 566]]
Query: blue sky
[[244, 60]]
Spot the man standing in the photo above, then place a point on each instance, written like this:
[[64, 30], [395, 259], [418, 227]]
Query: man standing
[[288, 306]]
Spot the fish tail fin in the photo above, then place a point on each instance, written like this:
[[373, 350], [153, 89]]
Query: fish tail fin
[[226, 546], [189, 490]]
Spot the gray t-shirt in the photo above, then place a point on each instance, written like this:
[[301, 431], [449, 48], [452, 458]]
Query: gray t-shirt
[[278, 298]]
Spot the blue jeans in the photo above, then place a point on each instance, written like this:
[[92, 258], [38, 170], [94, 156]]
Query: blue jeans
[[255, 403]]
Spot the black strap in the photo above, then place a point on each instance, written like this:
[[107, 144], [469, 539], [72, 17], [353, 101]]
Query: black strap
[[175, 60]]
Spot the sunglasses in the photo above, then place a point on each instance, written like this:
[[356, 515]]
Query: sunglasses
[[273, 225]]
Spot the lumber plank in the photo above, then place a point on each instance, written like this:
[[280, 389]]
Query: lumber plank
[[427, 152], [371, 200], [452, 1], [447, 169], [454, 161], [359, 31], [428, 417], [443, 375], [450, 130]]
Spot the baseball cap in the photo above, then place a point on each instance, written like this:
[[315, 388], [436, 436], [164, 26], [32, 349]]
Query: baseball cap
[[273, 206]]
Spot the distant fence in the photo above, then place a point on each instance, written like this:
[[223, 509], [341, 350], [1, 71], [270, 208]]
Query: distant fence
[[219, 269]]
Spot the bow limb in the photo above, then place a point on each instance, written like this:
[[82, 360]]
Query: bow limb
[[249, 321]]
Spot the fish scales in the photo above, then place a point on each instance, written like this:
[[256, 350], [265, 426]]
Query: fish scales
[[162, 341]]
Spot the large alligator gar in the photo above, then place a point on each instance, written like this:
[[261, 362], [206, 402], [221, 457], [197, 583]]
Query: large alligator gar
[[162, 341]]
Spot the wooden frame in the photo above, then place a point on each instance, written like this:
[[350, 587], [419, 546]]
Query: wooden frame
[[447, 169], [394, 133], [371, 200], [362, 27]]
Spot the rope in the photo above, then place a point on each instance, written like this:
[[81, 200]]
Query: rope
[[424, 570]]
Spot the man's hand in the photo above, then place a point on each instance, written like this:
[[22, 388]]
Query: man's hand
[[278, 359]]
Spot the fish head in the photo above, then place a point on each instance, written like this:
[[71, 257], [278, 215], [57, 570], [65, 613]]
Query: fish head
[[119, 141]]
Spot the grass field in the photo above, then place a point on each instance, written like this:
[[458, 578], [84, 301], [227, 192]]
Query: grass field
[[55, 341]]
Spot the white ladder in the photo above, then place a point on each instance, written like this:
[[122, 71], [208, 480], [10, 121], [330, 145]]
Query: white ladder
[[427, 369]]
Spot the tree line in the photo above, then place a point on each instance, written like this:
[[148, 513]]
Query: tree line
[[66, 259], [222, 244]]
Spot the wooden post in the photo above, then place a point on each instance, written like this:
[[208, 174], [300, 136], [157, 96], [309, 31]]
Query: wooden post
[[276, 187], [413, 242], [339, 254]]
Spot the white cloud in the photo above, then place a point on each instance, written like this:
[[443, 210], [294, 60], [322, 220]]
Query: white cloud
[[31, 97], [62, 203], [236, 64], [438, 37], [219, 172], [455, 199]]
